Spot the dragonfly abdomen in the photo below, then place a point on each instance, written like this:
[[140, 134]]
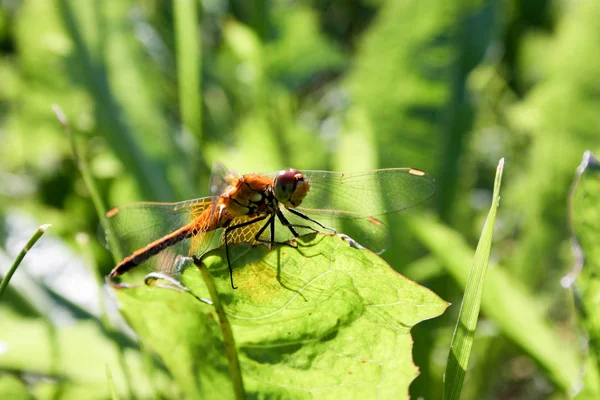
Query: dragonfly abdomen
[[152, 249]]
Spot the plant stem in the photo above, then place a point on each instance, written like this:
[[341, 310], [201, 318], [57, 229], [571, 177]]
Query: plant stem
[[86, 174], [34, 238], [228, 339]]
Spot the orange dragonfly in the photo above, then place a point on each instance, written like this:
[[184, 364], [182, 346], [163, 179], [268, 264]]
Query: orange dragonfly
[[261, 208]]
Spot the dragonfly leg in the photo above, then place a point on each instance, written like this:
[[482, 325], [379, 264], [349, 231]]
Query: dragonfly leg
[[306, 217], [291, 227], [286, 223], [271, 242], [272, 232], [305, 227], [262, 229], [226, 233]]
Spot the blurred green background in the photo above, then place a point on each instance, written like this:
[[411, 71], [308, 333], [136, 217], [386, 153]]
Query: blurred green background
[[158, 91]]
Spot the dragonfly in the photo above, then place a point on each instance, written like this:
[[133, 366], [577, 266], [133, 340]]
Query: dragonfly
[[260, 208]]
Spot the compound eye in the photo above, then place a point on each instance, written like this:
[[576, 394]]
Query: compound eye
[[285, 186], [287, 178]]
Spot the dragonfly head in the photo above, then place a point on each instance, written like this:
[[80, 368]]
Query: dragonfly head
[[290, 187]]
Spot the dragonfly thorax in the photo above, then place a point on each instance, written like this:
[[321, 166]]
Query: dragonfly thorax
[[254, 194], [250, 194]]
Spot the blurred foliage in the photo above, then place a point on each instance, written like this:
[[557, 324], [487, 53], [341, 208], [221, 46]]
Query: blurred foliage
[[12, 388], [446, 87], [584, 211]]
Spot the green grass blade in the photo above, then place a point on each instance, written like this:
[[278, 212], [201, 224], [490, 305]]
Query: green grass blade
[[187, 36], [504, 295], [464, 332], [90, 184], [506, 301], [88, 180], [110, 114], [34, 238]]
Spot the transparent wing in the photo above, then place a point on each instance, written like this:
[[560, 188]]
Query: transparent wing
[[365, 194], [368, 232], [221, 178], [245, 234], [349, 202], [136, 225]]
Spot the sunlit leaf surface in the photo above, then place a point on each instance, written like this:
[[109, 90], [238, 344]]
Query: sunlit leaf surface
[[183, 331], [320, 320]]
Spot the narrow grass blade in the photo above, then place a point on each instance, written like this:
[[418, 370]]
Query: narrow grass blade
[[34, 238], [89, 181], [187, 37], [101, 211], [464, 332], [110, 114], [506, 301]]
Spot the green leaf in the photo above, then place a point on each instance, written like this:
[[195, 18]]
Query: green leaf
[[324, 319], [585, 214], [464, 331], [184, 332]]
